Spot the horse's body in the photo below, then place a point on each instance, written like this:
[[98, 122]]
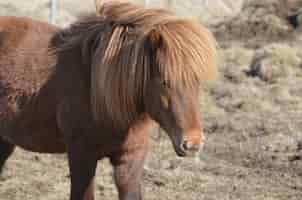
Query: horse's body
[[27, 106], [94, 89]]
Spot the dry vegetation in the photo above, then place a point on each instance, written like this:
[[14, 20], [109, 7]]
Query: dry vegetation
[[252, 116]]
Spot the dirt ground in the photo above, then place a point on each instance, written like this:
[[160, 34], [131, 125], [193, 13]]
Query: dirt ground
[[253, 121]]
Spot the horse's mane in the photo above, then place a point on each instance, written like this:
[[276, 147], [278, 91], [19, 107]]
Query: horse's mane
[[126, 43]]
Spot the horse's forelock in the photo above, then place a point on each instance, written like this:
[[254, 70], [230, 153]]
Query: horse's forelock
[[187, 54], [120, 71]]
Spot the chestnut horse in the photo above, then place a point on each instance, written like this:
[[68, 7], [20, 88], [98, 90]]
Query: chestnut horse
[[95, 89]]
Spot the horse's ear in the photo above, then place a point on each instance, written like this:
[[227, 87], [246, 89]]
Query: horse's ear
[[155, 39]]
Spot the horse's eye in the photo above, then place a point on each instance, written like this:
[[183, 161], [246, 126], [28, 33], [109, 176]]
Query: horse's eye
[[165, 83]]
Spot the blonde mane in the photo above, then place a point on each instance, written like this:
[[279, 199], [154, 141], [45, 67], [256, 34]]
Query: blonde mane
[[126, 42]]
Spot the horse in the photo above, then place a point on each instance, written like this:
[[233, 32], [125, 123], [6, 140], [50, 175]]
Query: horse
[[95, 89]]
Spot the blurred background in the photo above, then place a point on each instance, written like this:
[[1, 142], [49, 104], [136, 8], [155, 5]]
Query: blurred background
[[252, 113]]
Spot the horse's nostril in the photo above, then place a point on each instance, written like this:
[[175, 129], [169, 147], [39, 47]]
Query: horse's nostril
[[187, 146]]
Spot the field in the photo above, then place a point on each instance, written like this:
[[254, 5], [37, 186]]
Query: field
[[252, 116]]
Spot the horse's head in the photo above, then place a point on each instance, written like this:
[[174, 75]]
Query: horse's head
[[176, 110], [149, 60], [179, 64]]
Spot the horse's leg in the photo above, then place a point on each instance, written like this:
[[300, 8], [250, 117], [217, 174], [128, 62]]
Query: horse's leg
[[128, 169], [128, 165], [82, 171], [6, 149], [89, 193], [82, 158]]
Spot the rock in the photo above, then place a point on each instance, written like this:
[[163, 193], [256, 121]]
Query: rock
[[274, 61], [290, 6], [217, 11], [259, 19], [295, 19], [237, 55]]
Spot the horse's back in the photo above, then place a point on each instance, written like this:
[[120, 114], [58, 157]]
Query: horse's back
[[23, 48], [24, 57], [25, 67], [14, 30]]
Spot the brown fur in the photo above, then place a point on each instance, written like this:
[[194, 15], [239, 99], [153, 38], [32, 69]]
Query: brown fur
[[93, 89]]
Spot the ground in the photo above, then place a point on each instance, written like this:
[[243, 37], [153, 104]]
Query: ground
[[253, 121]]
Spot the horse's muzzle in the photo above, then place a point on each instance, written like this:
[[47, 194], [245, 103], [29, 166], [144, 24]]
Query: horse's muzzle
[[188, 148]]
